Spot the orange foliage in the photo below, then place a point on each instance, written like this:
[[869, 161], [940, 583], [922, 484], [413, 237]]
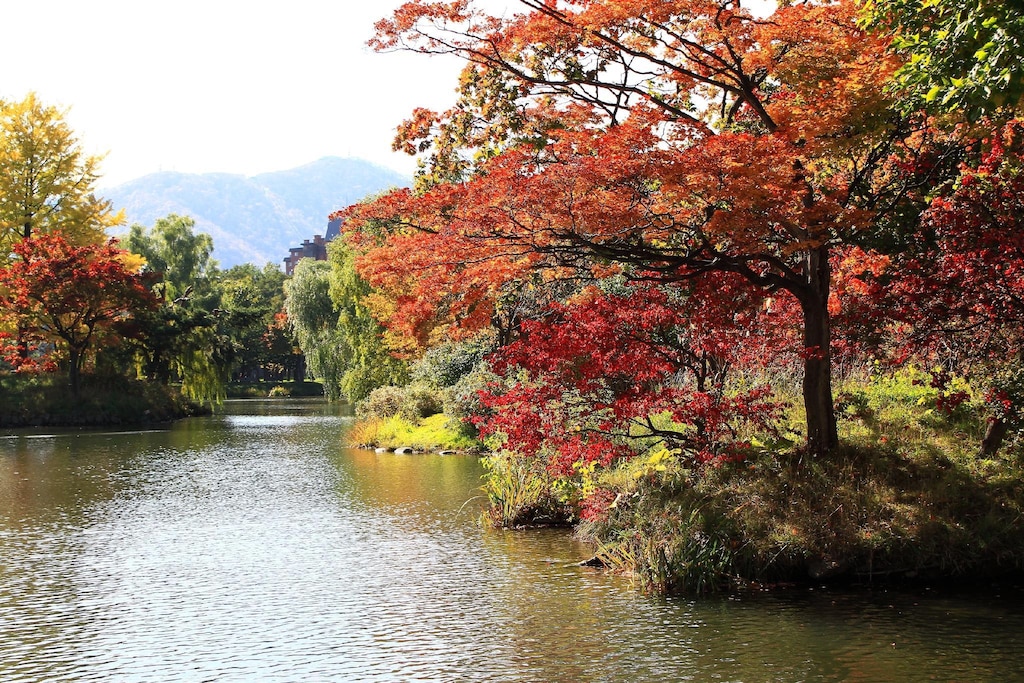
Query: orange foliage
[[673, 138]]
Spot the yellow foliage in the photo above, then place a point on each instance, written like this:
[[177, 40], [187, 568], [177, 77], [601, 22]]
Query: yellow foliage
[[46, 180]]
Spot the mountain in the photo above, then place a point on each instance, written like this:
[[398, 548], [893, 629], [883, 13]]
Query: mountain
[[255, 219]]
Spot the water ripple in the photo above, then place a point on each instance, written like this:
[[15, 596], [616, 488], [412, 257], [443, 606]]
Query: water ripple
[[252, 547]]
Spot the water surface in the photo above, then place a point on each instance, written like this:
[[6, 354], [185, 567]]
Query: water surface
[[252, 545]]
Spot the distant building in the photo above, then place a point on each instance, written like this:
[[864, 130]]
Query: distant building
[[315, 249]]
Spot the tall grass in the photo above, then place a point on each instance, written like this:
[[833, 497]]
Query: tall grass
[[521, 493]]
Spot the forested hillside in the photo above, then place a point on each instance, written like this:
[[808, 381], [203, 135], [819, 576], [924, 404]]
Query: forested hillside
[[254, 219]]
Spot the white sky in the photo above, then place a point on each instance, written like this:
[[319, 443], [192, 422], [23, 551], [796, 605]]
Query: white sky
[[219, 85], [236, 86]]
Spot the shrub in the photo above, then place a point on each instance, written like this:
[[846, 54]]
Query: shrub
[[420, 401], [382, 402], [446, 364], [413, 402], [462, 401]]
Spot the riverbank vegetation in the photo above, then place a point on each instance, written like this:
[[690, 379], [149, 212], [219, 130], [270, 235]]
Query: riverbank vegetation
[[906, 497], [140, 330], [279, 389], [433, 433], [746, 290], [36, 400], [419, 415]]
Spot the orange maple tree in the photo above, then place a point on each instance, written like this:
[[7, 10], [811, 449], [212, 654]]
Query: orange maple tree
[[674, 139]]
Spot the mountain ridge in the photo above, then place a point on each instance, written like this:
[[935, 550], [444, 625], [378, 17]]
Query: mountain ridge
[[254, 219]]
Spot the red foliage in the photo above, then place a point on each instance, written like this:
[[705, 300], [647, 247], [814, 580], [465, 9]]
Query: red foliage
[[674, 138], [598, 375], [964, 284], [955, 294], [56, 293]]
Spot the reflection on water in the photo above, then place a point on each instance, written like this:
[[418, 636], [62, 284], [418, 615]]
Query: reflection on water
[[252, 546]]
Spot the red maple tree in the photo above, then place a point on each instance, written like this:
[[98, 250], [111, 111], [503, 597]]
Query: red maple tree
[[68, 296], [960, 285], [609, 373]]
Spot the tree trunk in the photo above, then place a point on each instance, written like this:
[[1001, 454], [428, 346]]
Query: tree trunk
[[822, 433], [22, 344], [994, 435], [74, 361]]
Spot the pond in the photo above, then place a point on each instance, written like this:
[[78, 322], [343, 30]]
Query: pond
[[252, 545]]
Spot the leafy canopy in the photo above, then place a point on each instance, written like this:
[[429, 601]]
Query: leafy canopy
[[964, 55], [674, 139], [46, 180]]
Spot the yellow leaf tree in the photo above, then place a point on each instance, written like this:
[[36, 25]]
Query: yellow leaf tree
[[46, 180]]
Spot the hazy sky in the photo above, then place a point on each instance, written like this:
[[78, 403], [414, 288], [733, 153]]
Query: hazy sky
[[222, 85], [219, 85]]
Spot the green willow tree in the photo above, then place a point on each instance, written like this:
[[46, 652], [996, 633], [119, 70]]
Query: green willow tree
[[314, 321], [184, 340], [369, 363], [342, 341]]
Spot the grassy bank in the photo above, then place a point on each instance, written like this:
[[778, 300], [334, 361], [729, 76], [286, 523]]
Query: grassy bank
[[868, 514], [45, 400], [907, 497], [435, 432]]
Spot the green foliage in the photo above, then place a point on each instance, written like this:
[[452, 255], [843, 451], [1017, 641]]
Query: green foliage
[[340, 338], [180, 256], [456, 372], [964, 55], [462, 400], [368, 362], [34, 400], [902, 408], [252, 301], [188, 339], [412, 403], [313, 318], [382, 402], [446, 364], [421, 401], [661, 526], [274, 389], [203, 380]]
